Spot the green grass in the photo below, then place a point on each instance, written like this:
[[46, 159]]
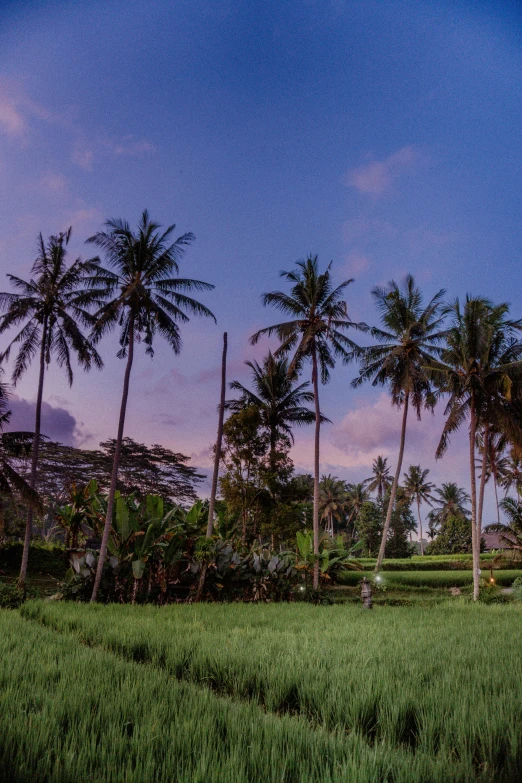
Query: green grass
[[439, 687], [434, 579], [71, 713]]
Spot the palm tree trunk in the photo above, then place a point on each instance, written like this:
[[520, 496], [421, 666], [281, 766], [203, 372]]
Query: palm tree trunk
[[496, 496], [393, 493], [34, 459], [315, 523], [217, 457], [475, 547], [115, 464], [485, 460], [420, 526]]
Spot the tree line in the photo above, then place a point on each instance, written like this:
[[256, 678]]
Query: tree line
[[466, 353]]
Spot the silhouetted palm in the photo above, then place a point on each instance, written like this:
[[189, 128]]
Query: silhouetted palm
[[492, 446], [51, 307], [142, 297], [410, 342], [315, 333], [511, 473], [356, 496], [419, 489], [380, 480], [479, 364], [278, 397]]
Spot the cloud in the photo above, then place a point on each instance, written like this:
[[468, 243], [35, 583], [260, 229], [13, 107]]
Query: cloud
[[57, 423], [377, 177], [53, 184], [356, 263], [11, 119]]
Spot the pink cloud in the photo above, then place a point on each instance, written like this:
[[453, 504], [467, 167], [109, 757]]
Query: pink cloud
[[377, 177]]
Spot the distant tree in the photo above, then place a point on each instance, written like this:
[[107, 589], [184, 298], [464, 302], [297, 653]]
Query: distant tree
[[511, 474], [143, 296], [418, 489], [280, 400], [333, 501], [454, 537], [368, 526], [409, 342], [356, 496], [316, 334], [51, 307], [510, 533], [380, 480]]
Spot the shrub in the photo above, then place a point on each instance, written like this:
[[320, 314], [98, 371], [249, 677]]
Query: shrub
[[10, 596]]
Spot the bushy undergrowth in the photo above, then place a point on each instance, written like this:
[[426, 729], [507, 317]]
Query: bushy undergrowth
[[443, 681], [10, 596], [44, 558], [68, 713]]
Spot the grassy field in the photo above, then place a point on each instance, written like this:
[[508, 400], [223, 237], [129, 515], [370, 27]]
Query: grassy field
[[262, 693]]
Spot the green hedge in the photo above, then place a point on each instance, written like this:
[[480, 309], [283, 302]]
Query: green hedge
[[434, 579], [437, 563], [44, 558]]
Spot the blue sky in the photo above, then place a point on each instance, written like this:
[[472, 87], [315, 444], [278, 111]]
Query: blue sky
[[384, 136]]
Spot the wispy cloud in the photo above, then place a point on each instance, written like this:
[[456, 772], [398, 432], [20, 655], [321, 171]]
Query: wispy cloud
[[378, 176]]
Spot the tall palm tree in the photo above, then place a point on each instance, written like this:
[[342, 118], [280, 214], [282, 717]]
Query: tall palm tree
[[479, 364], [51, 307], [380, 480], [279, 399], [419, 489], [409, 342], [142, 297], [315, 333], [332, 500], [492, 446]]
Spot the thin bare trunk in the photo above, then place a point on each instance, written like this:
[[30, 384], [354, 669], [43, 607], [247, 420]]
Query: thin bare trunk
[[217, 457], [485, 460], [315, 382], [393, 492], [115, 464], [420, 527], [475, 547], [34, 459], [495, 485]]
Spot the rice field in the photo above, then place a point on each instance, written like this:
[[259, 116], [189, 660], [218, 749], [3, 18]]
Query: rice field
[[287, 692], [434, 579]]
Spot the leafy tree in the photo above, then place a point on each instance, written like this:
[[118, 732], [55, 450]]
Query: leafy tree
[[332, 501], [279, 399], [143, 296], [51, 307], [409, 342], [454, 537], [479, 364], [369, 527], [315, 333], [356, 496], [417, 488], [402, 524]]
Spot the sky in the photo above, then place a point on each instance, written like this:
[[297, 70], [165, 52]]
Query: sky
[[382, 135]]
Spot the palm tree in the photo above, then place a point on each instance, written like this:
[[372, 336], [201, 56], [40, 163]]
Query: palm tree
[[479, 364], [142, 297], [493, 462], [380, 480], [356, 496], [51, 305], [315, 333], [511, 473], [409, 344], [332, 500], [419, 489], [278, 398], [451, 501]]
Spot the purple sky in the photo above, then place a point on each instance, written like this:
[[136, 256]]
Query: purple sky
[[384, 136]]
